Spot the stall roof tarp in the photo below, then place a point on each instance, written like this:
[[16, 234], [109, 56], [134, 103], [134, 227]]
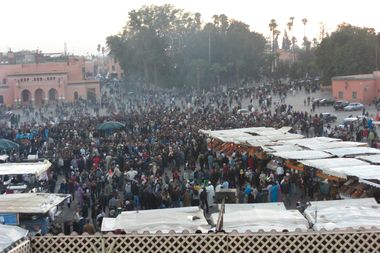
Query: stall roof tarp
[[302, 155], [10, 234], [247, 207], [352, 151], [30, 202], [279, 148], [305, 141], [108, 224], [261, 217], [35, 168], [374, 159], [3, 157], [362, 171], [256, 136], [164, 220], [325, 164], [343, 214], [333, 145]]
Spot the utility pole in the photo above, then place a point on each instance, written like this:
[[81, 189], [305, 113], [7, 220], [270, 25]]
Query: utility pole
[[376, 56], [209, 47]]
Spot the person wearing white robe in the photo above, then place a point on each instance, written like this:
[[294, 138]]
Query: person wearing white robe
[[210, 194]]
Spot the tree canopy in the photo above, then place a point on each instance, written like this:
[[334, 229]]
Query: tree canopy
[[349, 50], [166, 46]]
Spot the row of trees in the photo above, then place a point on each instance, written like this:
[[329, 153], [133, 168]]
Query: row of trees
[[166, 46]]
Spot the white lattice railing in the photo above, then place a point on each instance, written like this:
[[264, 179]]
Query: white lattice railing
[[22, 247], [337, 241]]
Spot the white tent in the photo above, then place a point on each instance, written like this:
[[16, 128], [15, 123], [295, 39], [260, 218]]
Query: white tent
[[278, 148], [30, 202], [3, 157], [108, 225], [264, 216], [254, 136], [343, 214], [10, 234], [352, 151], [33, 168], [325, 164], [302, 154], [333, 145], [164, 220], [247, 207], [374, 159], [362, 172]]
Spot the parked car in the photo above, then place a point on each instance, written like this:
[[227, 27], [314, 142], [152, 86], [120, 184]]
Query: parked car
[[328, 117], [354, 107], [326, 101], [340, 104], [244, 112], [351, 121]]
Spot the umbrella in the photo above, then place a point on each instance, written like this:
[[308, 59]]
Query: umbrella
[[6, 144], [110, 125]]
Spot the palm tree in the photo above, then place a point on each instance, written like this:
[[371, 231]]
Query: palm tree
[[98, 49], [103, 50], [315, 42], [272, 27], [290, 27], [304, 21]]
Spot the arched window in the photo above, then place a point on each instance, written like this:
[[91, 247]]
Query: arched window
[[53, 94]]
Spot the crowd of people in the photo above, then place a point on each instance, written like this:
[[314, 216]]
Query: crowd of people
[[160, 159]]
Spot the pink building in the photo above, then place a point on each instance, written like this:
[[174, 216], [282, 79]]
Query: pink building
[[357, 88], [40, 83], [106, 66]]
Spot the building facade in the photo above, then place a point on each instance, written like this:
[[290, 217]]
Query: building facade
[[357, 88], [40, 83]]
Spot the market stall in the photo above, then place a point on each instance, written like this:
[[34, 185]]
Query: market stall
[[9, 235], [3, 158], [373, 159], [23, 177], [164, 220], [343, 214], [32, 210], [263, 216], [250, 140], [352, 151], [354, 175]]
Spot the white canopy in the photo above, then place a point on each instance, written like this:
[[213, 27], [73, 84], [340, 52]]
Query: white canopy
[[375, 159], [3, 157], [362, 172], [164, 220], [247, 207], [302, 154], [343, 214], [264, 216], [279, 148], [341, 152], [30, 202], [10, 234], [333, 145], [306, 141], [254, 136], [325, 164], [34, 168], [109, 225]]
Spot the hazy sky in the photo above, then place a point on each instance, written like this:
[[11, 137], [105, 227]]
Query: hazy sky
[[82, 24]]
